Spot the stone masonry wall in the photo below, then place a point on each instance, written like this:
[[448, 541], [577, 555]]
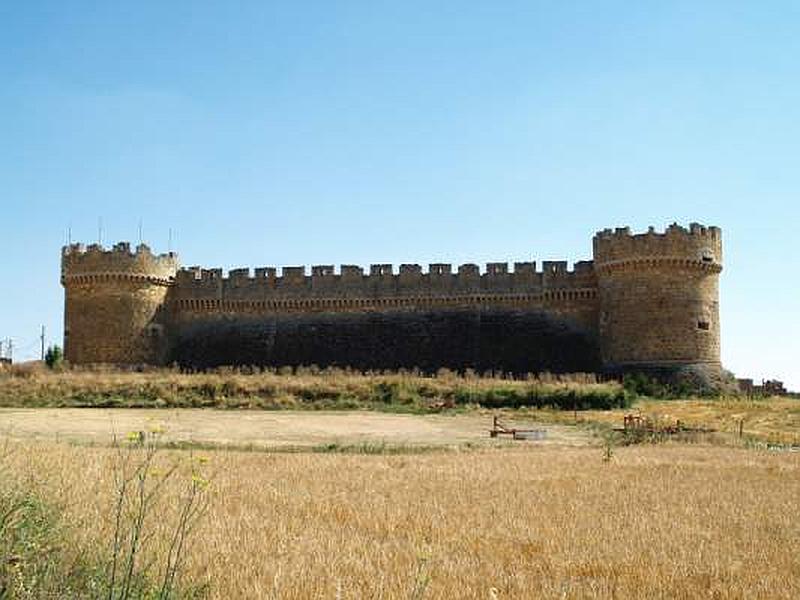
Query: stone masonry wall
[[482, 339], [522, 320], [659, 296], [113, 302], [646, 299]]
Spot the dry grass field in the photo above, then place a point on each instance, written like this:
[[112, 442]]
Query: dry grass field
[[269, 430], [774, 420], [665, 521], [394, 501]]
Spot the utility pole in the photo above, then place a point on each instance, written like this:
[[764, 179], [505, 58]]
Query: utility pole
[[11, 350], [42, 338]]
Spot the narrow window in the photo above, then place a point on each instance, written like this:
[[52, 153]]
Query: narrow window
[[704, 325]]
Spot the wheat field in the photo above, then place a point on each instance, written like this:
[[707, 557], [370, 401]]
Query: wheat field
[[667, 521], [775, 420]]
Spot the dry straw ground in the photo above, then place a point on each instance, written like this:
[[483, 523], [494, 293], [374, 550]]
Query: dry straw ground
[[775, 420], [667, 521]]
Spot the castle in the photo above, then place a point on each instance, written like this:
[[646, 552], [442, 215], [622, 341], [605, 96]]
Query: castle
[[646, 302]]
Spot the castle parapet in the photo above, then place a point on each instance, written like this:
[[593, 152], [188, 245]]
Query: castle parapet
[[95, 261], [698, 244], [382, 280]]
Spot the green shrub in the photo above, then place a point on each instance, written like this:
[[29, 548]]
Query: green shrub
[[54, 357], [538, 396], [640, 384]]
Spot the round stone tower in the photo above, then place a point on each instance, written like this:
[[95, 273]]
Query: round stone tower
[[113, 303], [659, 300]]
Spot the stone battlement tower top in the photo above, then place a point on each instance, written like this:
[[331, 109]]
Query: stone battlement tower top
[[117, 263], [700, 244]]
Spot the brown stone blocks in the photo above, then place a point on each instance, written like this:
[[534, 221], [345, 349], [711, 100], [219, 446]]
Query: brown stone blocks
[[659, 296], [113, 299], [645, 299]]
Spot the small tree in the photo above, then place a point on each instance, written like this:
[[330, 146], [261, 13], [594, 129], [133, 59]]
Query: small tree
[[54, 357]]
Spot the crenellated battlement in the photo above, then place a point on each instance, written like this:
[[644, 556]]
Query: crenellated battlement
[[120, 249], [694, 229], [697, 246], [382, 286], [298, 275], [94, 263]]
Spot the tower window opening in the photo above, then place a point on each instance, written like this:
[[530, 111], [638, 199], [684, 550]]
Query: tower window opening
[[704, 325]]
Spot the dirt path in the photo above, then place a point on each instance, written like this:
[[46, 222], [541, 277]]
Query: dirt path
[[284, 428]]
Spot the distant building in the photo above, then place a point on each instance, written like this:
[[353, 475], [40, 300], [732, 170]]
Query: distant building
[[773, 387], [768, 387]]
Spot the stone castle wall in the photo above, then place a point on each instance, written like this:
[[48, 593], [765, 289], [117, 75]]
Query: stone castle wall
[[633, 304], [113, 300], [554, 289], [659, 296], [521, 320]]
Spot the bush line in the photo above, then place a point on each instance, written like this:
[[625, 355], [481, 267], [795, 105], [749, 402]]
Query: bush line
[[300, 389]]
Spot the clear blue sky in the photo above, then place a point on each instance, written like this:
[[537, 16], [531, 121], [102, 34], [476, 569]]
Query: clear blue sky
[[273, 133]]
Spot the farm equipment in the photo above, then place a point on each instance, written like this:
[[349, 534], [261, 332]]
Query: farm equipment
[[499, 428], [642, 425]]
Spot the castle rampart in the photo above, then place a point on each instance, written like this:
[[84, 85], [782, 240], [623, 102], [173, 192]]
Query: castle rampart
[[118, 262], [351, 281], [628, 306], [659, 298], [113, 300]]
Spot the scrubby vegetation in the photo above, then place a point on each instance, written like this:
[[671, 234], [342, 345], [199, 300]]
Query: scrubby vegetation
[[54, 357], [759, 422], [42, 554], [304, 389], [33, 560]]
